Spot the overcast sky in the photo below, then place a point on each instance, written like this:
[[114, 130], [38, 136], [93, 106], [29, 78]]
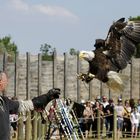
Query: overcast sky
[[63, 24]]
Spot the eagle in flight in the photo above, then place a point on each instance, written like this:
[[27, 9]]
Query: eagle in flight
[[111, 55]]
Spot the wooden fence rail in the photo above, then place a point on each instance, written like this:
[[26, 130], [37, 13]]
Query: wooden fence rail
[[31, 128]]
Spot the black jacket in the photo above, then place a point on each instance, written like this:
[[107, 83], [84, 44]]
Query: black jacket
[[6, 105]]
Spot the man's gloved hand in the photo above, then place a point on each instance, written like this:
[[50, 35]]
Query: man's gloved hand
[[41, 101]]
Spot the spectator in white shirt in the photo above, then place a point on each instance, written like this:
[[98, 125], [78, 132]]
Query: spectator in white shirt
[[135, 118], [120, 111]]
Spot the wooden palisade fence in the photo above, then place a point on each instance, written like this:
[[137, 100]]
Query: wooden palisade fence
[[29, 76]]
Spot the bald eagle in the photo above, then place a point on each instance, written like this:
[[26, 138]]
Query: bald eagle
[[111, 55]]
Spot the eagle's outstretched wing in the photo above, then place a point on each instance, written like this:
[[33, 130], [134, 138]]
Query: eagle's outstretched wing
[[113, 54], [120, 43]]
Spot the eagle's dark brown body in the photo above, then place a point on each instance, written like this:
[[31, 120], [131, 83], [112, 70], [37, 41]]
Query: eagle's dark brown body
[[100, 66]]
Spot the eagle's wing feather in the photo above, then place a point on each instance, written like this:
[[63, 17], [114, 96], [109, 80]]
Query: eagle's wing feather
[[121, 42], [132, 31], [128, 48]]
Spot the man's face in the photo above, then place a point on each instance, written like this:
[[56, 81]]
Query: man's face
[[104, 99]]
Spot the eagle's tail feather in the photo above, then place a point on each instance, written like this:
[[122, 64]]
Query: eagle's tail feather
[[117, 81]]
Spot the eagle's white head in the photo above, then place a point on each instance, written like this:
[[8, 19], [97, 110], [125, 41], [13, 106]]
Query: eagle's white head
[[87, 55]]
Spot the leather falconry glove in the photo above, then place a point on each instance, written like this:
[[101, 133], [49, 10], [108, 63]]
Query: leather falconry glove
[[41, 101]]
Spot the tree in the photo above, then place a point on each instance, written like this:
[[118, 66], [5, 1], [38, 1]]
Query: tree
[[134, 18], [6, 46], [137, 54], [73, 51], [47, 52]]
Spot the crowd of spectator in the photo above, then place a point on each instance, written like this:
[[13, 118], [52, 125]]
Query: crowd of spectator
[[127, 112]]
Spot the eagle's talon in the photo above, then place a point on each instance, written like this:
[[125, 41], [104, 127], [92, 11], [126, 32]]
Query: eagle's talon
[[86, 77], [81, 76]]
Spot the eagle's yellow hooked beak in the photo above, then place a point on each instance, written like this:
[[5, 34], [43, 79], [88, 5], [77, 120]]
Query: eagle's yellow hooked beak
[[81, 55]]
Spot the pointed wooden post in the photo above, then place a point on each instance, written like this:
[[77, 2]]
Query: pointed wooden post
[[78, 81], [28, 76], [39, 93], [39, 73], [65, 75], [54, 69], [34, 126], [115, 125], [20, 127], [28, 126], [16, 75], [98, 125]]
